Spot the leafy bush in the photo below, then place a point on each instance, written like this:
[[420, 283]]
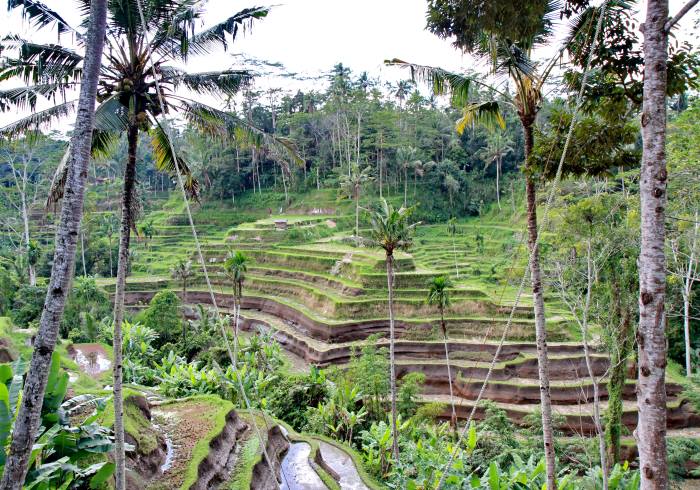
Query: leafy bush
[[292, 395], [163, 317], [28, 304]]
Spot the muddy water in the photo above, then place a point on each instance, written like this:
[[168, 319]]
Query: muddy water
[[91, 358], [297, 473], [343, 465]]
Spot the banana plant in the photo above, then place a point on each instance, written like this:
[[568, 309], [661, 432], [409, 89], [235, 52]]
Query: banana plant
[[53, 462]]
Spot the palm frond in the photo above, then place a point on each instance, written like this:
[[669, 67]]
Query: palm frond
[[39, 14], [39, 63], [111, 116], [165, 160], [38, 120], [205, 41], [487, 113], [227, 126], [103, 143], [227, 82], [26, 97], [442, 81]]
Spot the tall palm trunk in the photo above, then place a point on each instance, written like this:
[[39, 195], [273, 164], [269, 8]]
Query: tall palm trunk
[[390, 285], [236, 317], [453, 419], [651, 388], [128, 196], [538, 301], [405, 186], [498, 185], [28, 417], [357, 215]]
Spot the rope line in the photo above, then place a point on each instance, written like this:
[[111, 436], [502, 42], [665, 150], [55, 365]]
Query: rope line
[[543, 225], [199, 252]]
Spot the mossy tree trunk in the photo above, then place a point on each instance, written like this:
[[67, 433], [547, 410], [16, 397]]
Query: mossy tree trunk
[[28, 417]]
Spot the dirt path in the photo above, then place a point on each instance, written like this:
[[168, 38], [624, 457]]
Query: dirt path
[[298, 473], [91, 358], [343, 465]]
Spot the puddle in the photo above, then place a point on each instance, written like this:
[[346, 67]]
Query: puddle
[[91, 358], [342, 463], [297, 473]]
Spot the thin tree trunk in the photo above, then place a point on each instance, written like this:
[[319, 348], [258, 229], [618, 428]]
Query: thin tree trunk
[[25, 220], [540, 328], [498, 187], [687, 290], [111, 268], [28, 417], [651, 339], [357, 216], [237, 294], [122, 268], [390, 285], [82, 251], [453, 420], [405, 186], [594, 380]]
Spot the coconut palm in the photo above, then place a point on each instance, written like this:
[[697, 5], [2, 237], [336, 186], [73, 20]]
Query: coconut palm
[[439, 295], [391, 231], [510, 55], [406, 158], [183, 272], [497, 146], [351, 185], [27, 420], [235, 268], [130, 104]]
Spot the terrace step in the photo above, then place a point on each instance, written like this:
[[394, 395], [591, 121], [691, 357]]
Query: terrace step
[[578, 419]]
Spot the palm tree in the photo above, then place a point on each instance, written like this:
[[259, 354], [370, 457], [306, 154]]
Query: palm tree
[[406, 158], [391, 231], [351, 185], [497, 146], [130, 103], [183, 272], [439, 295], [510, 55], [235, 268], [28, 418]]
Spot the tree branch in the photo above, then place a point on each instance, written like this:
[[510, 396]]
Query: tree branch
[[686, 8]]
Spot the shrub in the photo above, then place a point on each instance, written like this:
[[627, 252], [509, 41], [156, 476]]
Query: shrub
[[163, 317]]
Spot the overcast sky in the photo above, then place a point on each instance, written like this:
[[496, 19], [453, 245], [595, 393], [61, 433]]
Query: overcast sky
[[309, 36]]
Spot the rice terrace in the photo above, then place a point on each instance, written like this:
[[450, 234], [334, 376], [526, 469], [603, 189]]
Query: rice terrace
[[420, 244]]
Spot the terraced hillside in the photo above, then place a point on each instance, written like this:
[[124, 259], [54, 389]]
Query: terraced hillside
[[323, 296]]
